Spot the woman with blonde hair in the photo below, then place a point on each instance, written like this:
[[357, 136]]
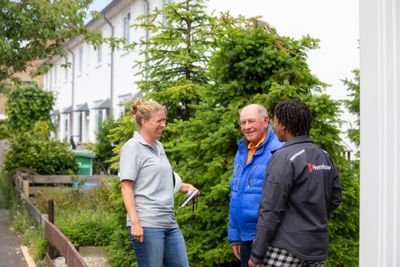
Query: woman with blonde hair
[[148, 185]]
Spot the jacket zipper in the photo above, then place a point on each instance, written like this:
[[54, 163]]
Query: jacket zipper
[[236, 177], [250, 176]]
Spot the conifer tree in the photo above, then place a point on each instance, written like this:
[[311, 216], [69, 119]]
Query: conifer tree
[[353, 105], [175, 56]]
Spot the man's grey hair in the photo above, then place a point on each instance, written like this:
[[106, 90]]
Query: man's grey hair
[[260, 109]]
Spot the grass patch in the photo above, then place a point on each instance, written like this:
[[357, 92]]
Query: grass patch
[[7, 192], [82, 215], [34, 239]]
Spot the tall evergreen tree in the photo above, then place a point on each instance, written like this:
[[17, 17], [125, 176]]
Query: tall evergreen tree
[[175, 56], [353, 105]]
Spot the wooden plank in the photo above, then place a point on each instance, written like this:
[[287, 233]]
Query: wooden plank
[[25, 188], [51, 179], [18, 181], [27, 256], [67, 179], [57, 239]]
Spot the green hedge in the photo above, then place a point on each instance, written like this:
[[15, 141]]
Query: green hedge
[[28, 153]]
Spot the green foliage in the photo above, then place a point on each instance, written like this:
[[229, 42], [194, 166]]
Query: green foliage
[[119, 252], [4, 133], [344, 232], [353, 105], [85, 227], [26, 105], [35, 30], [122, 132], [40, 156], [344, 222], [83, 216], [7, 197], [31, 233], [21, 221], [176, 54], [104, 148], [34, 239]]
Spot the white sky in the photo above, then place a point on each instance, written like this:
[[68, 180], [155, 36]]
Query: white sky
[[334, 22]]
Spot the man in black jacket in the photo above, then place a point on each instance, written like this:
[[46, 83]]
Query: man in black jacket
[[300, 190]]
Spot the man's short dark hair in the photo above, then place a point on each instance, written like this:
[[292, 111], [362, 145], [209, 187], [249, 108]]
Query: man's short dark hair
[[295, 116]]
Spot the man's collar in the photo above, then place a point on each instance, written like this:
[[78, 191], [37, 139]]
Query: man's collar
[[298, 139], [252, 146]]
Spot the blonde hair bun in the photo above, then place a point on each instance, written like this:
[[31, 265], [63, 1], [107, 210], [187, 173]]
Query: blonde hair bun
[[135, 106]]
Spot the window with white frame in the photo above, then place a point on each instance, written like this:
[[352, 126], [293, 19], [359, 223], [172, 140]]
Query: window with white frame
[[127, 25], [47, 80], [88, 50], [66, 127], [99, 53], [66, 70], [55, 74], [100, 119], [56, 122], [80, 126], [86, 126], [51, 79], [80, 59]]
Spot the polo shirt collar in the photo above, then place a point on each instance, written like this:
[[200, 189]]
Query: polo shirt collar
[[141, 140]]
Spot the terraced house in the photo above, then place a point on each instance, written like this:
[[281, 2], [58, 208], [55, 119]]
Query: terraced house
[[98, 80]]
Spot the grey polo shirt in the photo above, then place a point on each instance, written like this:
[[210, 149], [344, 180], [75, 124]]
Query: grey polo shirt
[[148, 167]]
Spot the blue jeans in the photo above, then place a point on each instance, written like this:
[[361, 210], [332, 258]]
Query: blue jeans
[[160, 246]]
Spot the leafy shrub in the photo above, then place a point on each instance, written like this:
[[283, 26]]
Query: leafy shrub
[[27, 104], [4, 132], [119, 252], [104, 148], [121, 133], [39, 156], [85, 227]]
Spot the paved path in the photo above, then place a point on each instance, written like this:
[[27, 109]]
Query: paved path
[[10, 252]]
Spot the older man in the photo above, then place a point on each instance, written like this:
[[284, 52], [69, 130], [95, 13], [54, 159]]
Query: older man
[[254, 152]]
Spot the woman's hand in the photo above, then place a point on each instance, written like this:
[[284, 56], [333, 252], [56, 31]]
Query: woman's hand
[[137, 232], [187, 188]]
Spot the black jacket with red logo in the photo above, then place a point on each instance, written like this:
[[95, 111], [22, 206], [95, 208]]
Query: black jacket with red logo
[[300, 190]]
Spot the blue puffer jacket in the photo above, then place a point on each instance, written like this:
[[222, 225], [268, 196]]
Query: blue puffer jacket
[[246, 187]]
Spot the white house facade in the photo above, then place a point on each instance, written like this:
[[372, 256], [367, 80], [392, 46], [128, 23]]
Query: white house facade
[[98, 81]]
